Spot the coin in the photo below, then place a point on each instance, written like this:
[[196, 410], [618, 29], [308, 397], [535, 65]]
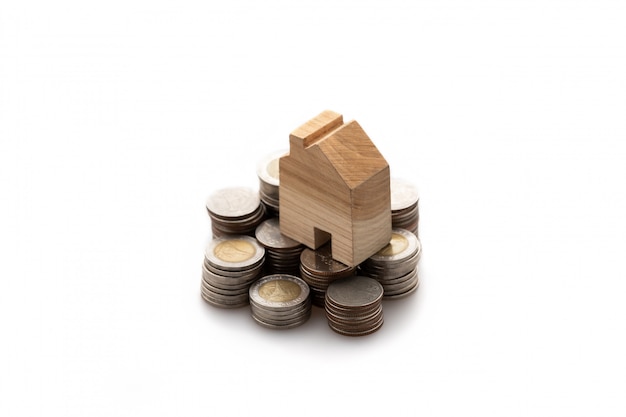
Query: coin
[[319, 269], [402, 246], [403, 194], [234, 253], [234, 210], [279, 292], [353, 306], [268, 234], [362, 332], [280, 301], [320, 262], [233, 202], [268, 167], [231, 264], [282, 253], [268, 173], [404, 205], [395, 266], [354, 292]]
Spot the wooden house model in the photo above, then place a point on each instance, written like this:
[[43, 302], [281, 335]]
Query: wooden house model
[[334, 185]]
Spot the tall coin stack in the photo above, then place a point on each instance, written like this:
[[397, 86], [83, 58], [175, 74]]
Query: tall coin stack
[[354, 306], [235, 211], [231, 264], [395, 265], [319, 269], [267, 171], [280, 301], [282, 254], [404, 205]]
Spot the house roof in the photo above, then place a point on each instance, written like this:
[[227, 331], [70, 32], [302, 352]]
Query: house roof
[[352, 153]]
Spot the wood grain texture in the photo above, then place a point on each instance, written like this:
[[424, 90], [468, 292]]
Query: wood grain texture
[[334, 184]]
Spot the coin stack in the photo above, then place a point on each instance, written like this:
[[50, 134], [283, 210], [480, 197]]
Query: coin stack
[[282, 254], [267, 171], [231, 265], [235, 211], [354, 306], [319, 269], [395, 265], [280, 301], [404, 205]]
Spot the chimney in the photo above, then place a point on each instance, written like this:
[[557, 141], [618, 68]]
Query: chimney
[[315, 129]]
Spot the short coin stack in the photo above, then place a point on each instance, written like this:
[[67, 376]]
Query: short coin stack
[[319, 269], [235, 211], [354, 306], [280, 301], [282, 254], [231, 264], [404, 206], [267, 171], [395, 265]]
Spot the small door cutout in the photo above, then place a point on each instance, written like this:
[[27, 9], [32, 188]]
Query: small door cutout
[[321, 237]]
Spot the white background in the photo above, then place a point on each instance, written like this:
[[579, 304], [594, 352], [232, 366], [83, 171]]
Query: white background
[[119, 118]]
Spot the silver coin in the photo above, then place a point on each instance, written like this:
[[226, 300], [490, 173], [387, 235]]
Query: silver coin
[[221, 305], [268, 234], [389, 272], [230, 277], [283, 323], [405, 215], [403, 194], [387, 283], [268, 167], [356, 327], [402, 246], [350, 312], [356, 291], [404, 294], [217, 299], [260, 312], [393, 289], [320, 262], [224, 291], [350, 318], [281, 326], [227, 287], [234, 252], [233, 202], [279, 292], [364, 332]]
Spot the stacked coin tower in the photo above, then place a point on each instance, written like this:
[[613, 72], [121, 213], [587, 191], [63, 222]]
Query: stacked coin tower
[[235, 211], [267, 171], [282, 254], [354, 306], [231, 264], [319, 269], [404, 205], [280, 301], [395, 266]]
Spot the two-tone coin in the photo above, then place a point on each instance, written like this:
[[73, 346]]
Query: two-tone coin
[[282, 254], [396, 265], [319, 269], [235, 211], [404, 205], [231, 264], [268, 173], [280, 301], [353, 305]]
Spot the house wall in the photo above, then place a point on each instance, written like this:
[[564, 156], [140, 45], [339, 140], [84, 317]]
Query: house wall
[[312, 194], [371, 216]]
